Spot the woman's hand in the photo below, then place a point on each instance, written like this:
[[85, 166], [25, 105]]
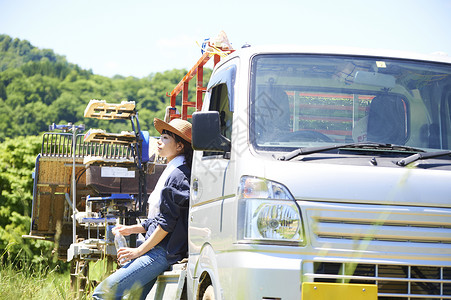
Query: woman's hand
[[126, 230], [122, 229], [125, 255]]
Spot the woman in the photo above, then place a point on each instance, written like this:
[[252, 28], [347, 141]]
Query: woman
[[166, 229]]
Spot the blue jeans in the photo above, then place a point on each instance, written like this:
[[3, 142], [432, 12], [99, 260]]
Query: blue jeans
[[135, 278]]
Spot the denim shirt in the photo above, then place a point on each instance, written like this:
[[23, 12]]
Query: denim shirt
[[173, 215]]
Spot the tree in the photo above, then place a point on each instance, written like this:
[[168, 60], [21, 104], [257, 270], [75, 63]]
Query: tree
[[6, 125], [64, 109], [38, 88], [17, 157]]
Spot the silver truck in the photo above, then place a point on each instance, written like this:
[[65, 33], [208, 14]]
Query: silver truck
[[318, 174], [322, 173]]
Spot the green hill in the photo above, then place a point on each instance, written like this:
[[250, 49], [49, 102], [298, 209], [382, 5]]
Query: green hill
[[39, 87]]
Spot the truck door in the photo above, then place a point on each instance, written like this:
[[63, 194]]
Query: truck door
[[210, 168]]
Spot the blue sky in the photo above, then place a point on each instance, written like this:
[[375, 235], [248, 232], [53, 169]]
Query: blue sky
[[139, 37]]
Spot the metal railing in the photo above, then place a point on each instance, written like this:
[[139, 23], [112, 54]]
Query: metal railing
[[60, 145]]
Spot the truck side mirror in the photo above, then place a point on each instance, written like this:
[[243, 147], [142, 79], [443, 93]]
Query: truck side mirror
[[206, 132]]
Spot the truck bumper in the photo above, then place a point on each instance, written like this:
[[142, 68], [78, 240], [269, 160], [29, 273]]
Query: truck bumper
[[252, 275]]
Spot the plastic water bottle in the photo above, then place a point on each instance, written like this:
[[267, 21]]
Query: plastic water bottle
[[120, 242]]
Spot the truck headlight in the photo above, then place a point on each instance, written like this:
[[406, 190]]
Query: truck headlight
[[268, 212]]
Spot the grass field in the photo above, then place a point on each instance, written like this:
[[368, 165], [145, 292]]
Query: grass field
[[31, 284]]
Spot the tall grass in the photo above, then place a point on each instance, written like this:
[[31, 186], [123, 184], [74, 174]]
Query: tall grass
[[31, 284], [20, 279]]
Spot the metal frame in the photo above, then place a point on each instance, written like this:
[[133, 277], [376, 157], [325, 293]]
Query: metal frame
[[182, 86]]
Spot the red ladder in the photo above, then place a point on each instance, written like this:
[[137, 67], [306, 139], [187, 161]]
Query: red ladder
[[182, 86]]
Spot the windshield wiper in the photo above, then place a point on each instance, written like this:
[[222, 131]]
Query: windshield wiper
[[410, 159], [363, 145]]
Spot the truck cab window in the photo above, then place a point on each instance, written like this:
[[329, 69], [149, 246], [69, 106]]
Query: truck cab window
[[306, 101], [220, 102]]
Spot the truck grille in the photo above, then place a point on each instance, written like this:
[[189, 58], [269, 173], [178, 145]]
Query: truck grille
[[393, 281], [388, 224]]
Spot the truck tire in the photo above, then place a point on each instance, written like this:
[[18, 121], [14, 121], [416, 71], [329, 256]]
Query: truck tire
[[209, 293]]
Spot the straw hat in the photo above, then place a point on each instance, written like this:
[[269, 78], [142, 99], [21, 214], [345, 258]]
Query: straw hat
[[180, 127]]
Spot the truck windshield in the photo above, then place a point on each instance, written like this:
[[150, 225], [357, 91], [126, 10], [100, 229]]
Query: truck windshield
[[315, 100]]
